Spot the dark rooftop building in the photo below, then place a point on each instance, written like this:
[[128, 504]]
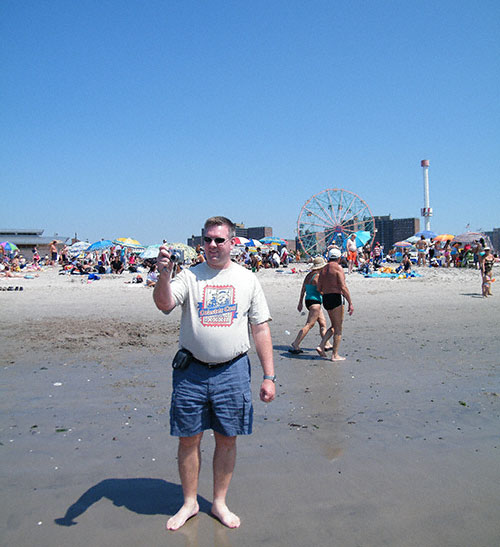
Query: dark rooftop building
[[27, 238], [389, 231]]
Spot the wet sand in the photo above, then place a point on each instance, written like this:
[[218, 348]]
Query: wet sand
[[397, 446]]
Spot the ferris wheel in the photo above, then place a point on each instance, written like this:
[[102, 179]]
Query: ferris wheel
[[330, 217]]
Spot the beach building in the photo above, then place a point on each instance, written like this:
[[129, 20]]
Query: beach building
[[390, 230], [494, 236], [27, 238]]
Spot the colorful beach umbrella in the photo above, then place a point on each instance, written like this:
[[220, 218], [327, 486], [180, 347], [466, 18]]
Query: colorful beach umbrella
[[469, 237], [444, 237], [238, 240], [8, 246], [254, 243], [273, 240], [403, 244], [128, 242]]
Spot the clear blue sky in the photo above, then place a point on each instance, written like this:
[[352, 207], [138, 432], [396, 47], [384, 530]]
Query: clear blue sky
[[142, 118]]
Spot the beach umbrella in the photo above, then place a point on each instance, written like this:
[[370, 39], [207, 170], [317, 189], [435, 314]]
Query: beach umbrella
[[362, 237], [254, 243], [8, 246], [273, 240], [403, 244], [469, 237], [444, 237], [412, 239], [100, 245], [128, 242], [78, 247], [241, 240], [428, 234]]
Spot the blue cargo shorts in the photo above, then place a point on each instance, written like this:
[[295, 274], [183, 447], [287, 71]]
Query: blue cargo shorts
[[212, 398]]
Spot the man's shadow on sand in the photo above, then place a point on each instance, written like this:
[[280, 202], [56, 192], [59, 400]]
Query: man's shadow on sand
[[143, 496]]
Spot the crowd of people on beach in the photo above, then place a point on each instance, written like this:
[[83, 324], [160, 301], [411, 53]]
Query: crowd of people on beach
[[425, 253], [365, 259]]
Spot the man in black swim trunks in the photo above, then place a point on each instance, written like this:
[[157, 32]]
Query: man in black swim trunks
[[332, 285]]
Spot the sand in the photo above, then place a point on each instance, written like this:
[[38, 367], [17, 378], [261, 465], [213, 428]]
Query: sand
[[397, 446]]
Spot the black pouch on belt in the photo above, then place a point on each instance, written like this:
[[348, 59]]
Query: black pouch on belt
[[182, 359]]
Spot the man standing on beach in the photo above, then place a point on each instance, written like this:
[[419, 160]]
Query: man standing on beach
[[352, 252], [332, 285], [211, 387]]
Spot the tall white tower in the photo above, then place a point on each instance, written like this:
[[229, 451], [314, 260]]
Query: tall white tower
[[426, 211]]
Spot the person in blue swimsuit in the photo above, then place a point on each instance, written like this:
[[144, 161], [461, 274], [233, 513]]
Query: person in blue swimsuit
[[313, 302]]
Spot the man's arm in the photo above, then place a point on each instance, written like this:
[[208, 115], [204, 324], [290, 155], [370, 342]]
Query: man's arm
[[345, 292], [264, 346], [162, 292], [320, 282]]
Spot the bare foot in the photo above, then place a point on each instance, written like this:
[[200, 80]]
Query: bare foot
[[328, 347], [337, 358], [321, 352], [188, 510], [221, 511]]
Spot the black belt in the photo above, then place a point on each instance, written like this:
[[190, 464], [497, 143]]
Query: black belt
[[215, 365]]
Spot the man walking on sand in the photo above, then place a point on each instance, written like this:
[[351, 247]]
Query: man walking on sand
[[211, 376], [332, 285]]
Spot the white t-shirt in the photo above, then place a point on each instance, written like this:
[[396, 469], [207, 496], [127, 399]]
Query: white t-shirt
[[217, 306]]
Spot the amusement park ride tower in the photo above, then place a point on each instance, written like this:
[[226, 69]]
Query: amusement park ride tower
[[426, 210]]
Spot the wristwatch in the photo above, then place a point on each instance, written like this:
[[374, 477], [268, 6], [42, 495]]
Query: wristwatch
[[272, 378]]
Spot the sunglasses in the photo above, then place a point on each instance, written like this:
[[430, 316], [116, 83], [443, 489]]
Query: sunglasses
[[218, 240]]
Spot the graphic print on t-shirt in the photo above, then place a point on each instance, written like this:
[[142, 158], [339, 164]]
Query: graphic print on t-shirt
[[217, 309]]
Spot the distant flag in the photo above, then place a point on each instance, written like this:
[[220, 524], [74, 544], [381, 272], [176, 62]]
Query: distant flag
[[468, 226]]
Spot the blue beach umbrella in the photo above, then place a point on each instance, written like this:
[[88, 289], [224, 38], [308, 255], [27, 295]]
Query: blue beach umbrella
[[428, 234], [362, 237], [100, 245]]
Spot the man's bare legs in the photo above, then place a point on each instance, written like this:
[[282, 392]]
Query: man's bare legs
[[321, 348], [337, 318], [223, 466], [189, 463]]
